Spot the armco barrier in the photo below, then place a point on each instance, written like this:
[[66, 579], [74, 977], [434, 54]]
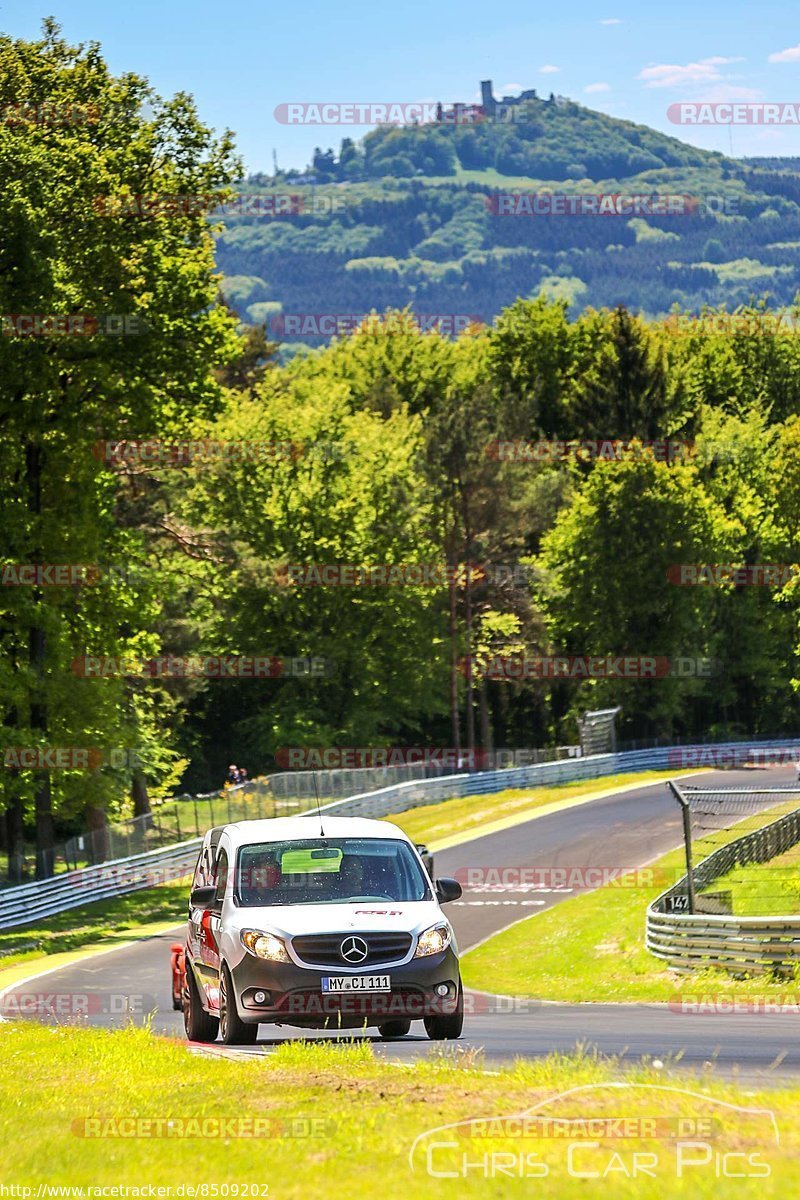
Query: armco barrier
[[689, 941], [32, 901], [21, 905]]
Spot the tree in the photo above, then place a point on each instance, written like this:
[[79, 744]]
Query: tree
[[607, 590], [76, 240]]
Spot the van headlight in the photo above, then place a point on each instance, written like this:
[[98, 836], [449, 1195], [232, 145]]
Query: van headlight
[[265, 945], [433, 940]]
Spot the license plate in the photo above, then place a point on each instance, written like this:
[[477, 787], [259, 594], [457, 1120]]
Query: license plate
[[356, 983]]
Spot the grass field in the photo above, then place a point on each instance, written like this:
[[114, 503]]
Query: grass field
[[323, 1120], [767, 888], [591, 947]]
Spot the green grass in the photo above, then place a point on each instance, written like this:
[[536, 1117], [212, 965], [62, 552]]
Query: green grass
[[365, 1115], [765, 889], [591, 947]]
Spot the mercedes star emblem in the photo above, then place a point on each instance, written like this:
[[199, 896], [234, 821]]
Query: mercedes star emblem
[[354, 949]]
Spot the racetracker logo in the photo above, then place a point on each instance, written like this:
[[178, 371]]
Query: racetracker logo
[[731, 1003], [67, 758], [48, 113], [196, 1128], [48, 574], [733, 756], [243, 204], [16, 1004], [329, 758], [356, 113], [153, 452], [740, 112], [351, 575], [581, 666], [202, 666], [25, 325], [597, 450], [522, 879], [323, 325], [579, 204], [775, 575]]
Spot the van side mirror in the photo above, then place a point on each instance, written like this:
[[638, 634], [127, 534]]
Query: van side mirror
[[447, 890], [203, 897]]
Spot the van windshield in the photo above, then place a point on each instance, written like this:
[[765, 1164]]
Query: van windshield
[[329, 871]]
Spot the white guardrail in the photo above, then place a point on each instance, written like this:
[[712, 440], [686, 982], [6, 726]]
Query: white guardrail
[[33, 901]]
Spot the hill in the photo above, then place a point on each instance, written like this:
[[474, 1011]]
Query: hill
[[428, 215]]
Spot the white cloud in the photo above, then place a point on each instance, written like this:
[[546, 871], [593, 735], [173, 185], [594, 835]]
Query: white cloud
[[790, 55], [549, 69], [705, 70], [727, 91], [598, 87], [611, 21], [508, 88]]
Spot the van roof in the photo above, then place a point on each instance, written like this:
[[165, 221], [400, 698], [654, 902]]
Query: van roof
[[310, 825]]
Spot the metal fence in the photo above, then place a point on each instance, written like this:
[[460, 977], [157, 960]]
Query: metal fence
[[396, 798], [737, 944]]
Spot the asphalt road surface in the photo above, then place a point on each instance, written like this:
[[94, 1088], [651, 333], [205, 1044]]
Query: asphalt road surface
[[623, 831]]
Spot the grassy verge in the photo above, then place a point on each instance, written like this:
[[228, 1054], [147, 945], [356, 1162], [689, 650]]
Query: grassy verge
[[335, 1121], [771, 888], [591, 947]]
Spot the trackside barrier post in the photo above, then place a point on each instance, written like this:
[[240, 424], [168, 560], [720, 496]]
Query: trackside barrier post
[[687, 839]]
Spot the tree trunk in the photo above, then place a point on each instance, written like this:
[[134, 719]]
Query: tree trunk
[[15, 836], [453, 624], [97, 829], [43, 803], [487, 744], [470, 682], [141, 801]]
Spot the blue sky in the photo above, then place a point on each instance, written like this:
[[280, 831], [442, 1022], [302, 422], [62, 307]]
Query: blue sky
[[241, 60]]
